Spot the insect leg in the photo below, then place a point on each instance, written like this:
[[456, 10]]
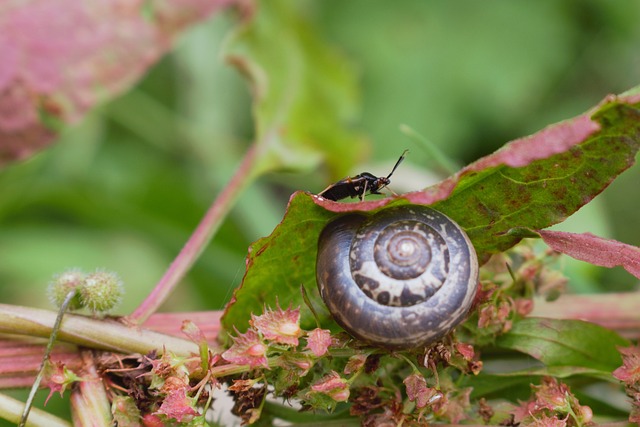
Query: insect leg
[[364, 190]]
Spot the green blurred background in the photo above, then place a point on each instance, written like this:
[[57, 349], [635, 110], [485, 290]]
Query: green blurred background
[[123, 189]]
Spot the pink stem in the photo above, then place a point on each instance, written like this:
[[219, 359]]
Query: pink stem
[[199, 239], [89, 400]]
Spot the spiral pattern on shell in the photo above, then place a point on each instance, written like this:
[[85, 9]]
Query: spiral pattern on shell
[[401, 278]]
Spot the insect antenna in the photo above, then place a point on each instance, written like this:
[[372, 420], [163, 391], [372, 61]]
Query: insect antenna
[[397, 163]]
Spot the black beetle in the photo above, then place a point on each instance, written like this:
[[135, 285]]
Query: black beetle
[[359, 185]]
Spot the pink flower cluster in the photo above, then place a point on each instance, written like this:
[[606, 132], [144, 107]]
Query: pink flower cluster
[[271, 329]]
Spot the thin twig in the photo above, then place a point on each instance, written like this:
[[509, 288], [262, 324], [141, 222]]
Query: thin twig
[[45, 358], [200, 238]]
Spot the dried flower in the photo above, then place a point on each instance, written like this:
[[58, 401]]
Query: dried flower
[[417, 391], [178, 405], [248, 403], [318, 341], [466, 350], [58, 378], [247, 349], [552, 405], [355, 363], [365, 400], [241, 386], [281, 326], [454, 405], [496, 317], [334, 386]]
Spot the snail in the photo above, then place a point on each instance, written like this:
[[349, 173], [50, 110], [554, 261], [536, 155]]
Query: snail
[[401, 278]]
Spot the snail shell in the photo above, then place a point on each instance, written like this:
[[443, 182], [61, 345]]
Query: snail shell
[[401, 278]]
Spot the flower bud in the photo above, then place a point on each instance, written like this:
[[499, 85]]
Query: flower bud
[[62, 284], [102, 291]]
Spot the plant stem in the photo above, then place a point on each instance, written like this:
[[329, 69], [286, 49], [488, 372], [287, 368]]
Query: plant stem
[[294, 415], [104, 334], [249, 169], [89, 402], [45, 357], [10, 410]]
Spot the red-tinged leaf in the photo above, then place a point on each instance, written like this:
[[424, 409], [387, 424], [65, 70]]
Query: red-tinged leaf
[[595, 250], [565, 343], [540, 179], [58, 58], [531, 183], [278, 264]]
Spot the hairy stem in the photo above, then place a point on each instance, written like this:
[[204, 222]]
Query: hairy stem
[[45, 358]]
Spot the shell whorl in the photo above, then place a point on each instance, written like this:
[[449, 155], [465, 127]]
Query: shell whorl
[[401, 278]]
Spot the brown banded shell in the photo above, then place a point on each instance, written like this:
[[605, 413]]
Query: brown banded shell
[[401, 278]]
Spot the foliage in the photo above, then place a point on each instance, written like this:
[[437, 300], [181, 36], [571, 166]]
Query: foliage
[[311, 101], [525, 185]]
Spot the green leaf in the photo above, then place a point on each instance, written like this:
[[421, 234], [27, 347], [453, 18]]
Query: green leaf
[[490, 202], [560, 372], [563, 342], [530, 183], [277, 265], [518, 387], [305, 92], [536, 181]]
